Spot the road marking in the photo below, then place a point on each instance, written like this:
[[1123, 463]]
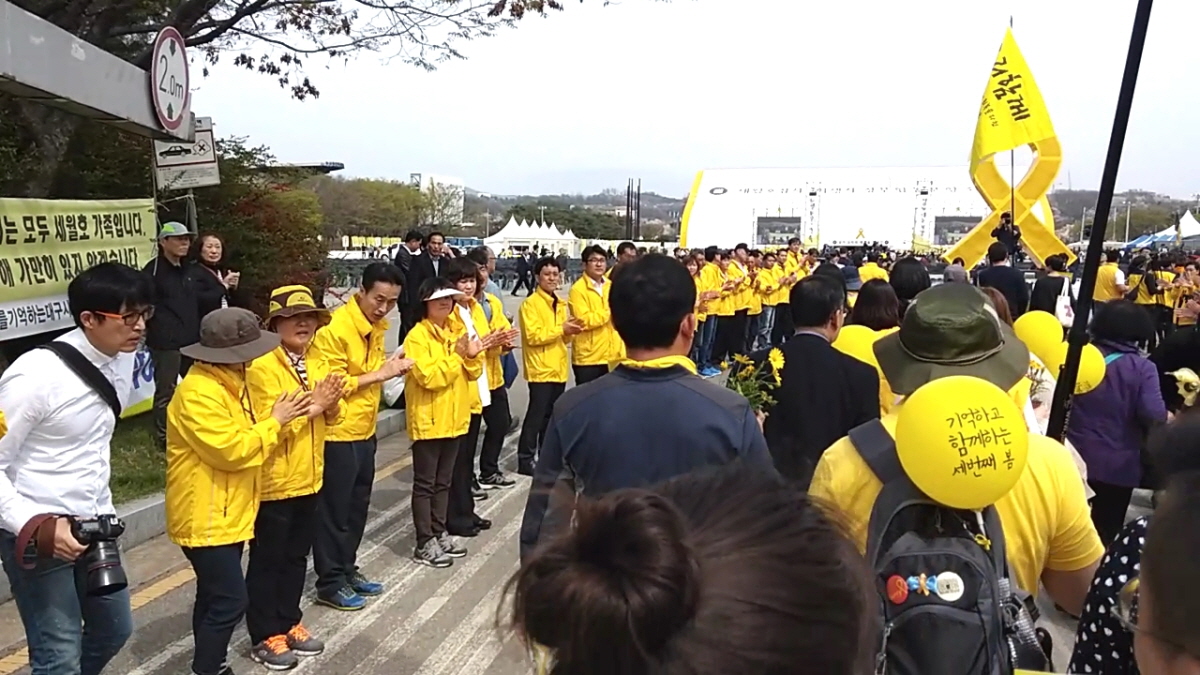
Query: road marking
[[391, 644], [240, 644], [480, 618], [492, 643]]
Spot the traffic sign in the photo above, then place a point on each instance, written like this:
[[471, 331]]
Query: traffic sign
[[170, 86], [183, 166]]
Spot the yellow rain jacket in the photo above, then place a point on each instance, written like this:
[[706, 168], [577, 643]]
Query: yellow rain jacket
[[701, 305], [768, 285], [440, 388], [498, 324], [596, 345], [740, 297], [215, 453], [353, 347], [482, 329], [297, 465], [543, 344]]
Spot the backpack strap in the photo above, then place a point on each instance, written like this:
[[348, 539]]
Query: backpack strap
[[1113, 357], [86, 371]]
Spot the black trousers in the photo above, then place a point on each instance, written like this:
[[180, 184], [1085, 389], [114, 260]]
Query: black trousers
[[433, 469], [585, 374], [1108, 509], [283, 536], [783, 324], [542, 396], [220, 603], [731, 336], [460, 514], [169, 366], [524, 280], [495, 420], [342, 512]]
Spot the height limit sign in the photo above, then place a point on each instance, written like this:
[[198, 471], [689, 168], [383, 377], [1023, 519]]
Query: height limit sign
[[170, 87]]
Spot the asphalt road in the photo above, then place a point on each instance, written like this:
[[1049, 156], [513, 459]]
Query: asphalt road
[[427, 622]]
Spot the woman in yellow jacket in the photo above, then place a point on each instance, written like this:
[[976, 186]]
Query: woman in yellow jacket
[[461, 519], [291, 478], [216, 446], [439, 394]]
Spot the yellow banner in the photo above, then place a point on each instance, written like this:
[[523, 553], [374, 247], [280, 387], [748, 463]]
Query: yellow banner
[[1013, 112], [44, 244]]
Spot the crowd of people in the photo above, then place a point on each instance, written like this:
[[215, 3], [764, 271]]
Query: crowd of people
[[671, 525]]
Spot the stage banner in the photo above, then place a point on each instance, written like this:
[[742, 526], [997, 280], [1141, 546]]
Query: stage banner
[[44, 244]]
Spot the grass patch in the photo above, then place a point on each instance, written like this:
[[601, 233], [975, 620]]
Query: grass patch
[[138, 468]]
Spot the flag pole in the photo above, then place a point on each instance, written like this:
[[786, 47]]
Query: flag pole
[[1077, 338], [1012, 174]]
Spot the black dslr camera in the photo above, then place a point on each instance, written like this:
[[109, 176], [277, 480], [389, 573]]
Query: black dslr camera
[[104, 572]]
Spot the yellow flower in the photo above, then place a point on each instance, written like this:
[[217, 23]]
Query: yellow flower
[[777, 380], [775, 358], [746, 373], [724, 365], [742, 359]]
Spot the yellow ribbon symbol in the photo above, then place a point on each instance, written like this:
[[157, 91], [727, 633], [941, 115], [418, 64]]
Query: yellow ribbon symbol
[[1013, 114], [860, 235]]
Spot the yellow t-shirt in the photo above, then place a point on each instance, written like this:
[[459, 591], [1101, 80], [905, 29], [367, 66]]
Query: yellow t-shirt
[[1047, 523]]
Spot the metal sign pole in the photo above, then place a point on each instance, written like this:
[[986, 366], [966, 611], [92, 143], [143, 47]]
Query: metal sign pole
[[1060, 409]]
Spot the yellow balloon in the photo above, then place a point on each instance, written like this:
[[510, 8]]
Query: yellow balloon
[[856, 341], [1091, 366], [963, 441], [1091, 370], [1040, 331]]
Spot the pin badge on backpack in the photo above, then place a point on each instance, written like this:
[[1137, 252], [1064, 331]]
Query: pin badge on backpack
[[949, 586], [897, 589]]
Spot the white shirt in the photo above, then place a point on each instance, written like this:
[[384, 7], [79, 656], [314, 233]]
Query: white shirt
[[55, 456], [485, 393]]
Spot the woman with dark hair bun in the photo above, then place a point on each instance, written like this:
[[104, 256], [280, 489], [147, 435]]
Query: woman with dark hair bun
[[909, 277], [719, 571]]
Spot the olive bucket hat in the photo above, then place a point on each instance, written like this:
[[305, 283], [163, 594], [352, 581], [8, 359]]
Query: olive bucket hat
[[292, 300], [231, 335], [951, 329]]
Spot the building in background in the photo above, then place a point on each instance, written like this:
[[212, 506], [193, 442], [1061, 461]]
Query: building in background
[[897, 206], [445, 199]]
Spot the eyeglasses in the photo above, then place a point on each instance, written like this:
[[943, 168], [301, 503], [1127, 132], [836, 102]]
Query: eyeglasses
[[130, 319]]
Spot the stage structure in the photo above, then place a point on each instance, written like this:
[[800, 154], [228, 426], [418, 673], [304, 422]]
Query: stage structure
[[896, 206]]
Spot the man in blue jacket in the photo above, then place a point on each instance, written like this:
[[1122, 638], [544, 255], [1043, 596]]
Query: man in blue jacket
[[650, 419]]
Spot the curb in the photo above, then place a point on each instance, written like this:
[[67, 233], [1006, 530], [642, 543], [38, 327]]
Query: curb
[[146, 518]]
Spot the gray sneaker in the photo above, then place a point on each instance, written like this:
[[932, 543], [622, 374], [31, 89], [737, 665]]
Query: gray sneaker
[[274, 653], [450, 546], [432, 555]]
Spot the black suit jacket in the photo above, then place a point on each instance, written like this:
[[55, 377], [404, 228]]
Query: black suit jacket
[[420, 268], [823, 395], [1011, 283]]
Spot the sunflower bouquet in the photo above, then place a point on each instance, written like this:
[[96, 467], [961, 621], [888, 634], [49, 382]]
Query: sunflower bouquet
[[756, 381]]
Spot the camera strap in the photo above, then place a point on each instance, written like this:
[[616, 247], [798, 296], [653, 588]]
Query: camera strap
[[39, 531], [86, 371]]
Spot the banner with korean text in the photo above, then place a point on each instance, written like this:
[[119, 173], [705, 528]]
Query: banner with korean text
[[44, 244]]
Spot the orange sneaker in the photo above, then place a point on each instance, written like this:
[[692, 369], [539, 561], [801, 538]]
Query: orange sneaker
[[302, 642], [275, 654]]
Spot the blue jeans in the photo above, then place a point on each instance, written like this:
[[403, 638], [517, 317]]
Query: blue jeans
[[766, 322], [68, 631], [708, 336]]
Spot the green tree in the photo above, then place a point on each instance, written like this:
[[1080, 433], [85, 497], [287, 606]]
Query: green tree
[[585, 223], [362, 207], [276, 38]]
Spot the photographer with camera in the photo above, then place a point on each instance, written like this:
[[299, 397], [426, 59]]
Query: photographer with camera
[[61, 402]]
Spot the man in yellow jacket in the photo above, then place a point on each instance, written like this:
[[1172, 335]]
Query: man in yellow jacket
[[546, 331], [596, 345], [352, 343], [291, 479]]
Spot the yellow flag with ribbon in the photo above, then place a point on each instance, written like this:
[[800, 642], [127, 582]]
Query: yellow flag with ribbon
[[1013, 114]]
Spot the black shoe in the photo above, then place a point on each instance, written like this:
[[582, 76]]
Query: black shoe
[[469, 532], [525, 469], [479, 494], [496, 481], [482, 523]]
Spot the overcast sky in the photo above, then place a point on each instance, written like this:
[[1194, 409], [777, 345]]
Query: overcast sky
[[592, 95]]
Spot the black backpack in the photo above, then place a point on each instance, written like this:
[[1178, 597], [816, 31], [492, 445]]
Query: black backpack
[[948, 605]]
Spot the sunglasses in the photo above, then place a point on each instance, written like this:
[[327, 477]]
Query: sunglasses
[[130, 319]]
